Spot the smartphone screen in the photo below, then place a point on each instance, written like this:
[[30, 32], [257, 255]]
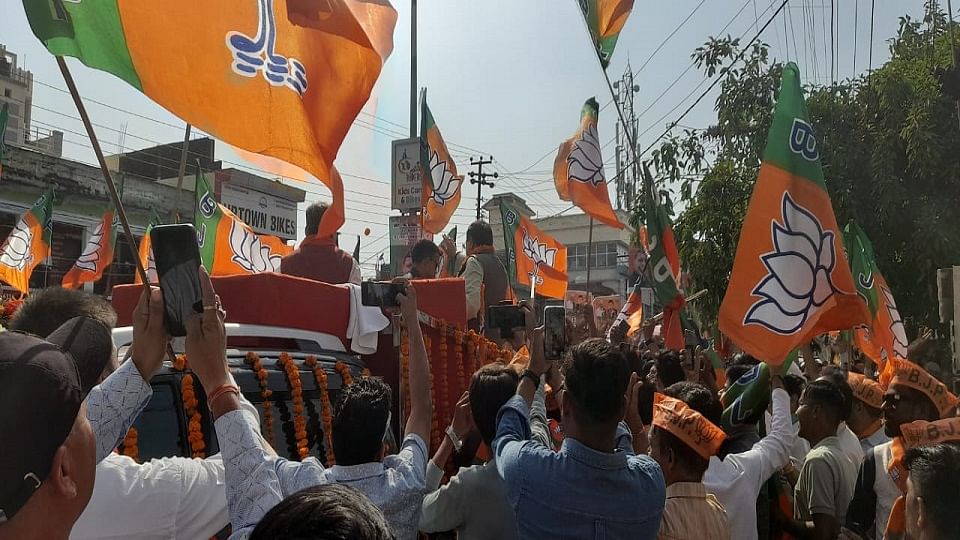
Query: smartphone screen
[[380, 294], [554, 334], [177, 257], [506, 318]]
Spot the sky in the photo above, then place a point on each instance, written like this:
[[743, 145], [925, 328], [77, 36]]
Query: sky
[[505, 78]]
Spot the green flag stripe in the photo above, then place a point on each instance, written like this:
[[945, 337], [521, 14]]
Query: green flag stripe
[[207, 216], [90, 31], [863, 264], [510, 219], [792, 143]]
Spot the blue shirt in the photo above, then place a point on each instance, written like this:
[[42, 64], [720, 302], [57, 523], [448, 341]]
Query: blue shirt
[[576, 492]]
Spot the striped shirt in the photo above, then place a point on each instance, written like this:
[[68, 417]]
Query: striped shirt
[[692, 513]]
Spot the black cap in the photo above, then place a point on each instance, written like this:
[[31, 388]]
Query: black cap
[[43, 382]]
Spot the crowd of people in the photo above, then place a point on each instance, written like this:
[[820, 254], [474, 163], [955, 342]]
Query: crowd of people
[[614, 440]]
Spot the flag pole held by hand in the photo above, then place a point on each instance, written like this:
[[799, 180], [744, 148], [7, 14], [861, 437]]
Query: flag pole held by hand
[[111, 187]]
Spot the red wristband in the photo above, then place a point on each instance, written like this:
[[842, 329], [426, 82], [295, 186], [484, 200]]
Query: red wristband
[[220, 391]]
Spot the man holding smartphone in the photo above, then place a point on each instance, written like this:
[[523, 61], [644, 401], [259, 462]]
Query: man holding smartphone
[[319, 258], [257, 479]]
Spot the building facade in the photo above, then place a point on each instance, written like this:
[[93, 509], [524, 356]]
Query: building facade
[[16, 91]]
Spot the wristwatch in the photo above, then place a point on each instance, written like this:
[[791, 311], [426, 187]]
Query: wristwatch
[[533, 375], [457, 443]]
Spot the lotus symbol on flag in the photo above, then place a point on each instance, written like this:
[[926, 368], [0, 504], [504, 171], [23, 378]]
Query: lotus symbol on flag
[[799, 269], [249, 253], [91, 254], [585, 163], [896, 324], [444, 184], [15, 252], [538, 253]]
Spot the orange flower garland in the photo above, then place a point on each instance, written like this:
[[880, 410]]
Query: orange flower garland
[[195, 426], [458, 359], [253, 360], [326, 410], [472, 342], [129, 446], [405, 373], [442, 383], [296, 393], [366, 372], [344, 370]]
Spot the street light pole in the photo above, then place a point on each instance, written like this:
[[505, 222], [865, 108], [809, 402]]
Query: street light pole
[[480, 178]]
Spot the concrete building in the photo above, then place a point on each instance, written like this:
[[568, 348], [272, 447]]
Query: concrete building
[[148, 186], [608, 260], [16, 90]]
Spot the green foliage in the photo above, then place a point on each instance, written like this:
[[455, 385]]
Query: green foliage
[[890, 145]]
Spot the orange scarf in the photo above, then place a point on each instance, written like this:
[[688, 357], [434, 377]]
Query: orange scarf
[[897, 524]]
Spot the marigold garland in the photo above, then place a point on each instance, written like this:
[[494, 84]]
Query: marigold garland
[[442, 382], [296, 393], [252, 359], [129, 446], [458, 342], [365, 372], [326, 409], [472, 342], [405, 372], [195, 425], [344, 370]]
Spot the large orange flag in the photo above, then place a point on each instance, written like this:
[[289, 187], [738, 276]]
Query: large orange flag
[[790, 279], [28, 244], [441, 184], [536, 259], [283, 78], [578, 169]]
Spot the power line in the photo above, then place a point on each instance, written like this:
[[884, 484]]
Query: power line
[[833, 52], [674, 32], [716, 81]]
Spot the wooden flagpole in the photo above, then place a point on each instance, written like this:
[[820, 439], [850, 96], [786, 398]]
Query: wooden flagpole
[[111, 187], [182, 170]]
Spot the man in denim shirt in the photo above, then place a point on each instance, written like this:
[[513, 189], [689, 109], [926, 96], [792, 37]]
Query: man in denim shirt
[[594, 487]]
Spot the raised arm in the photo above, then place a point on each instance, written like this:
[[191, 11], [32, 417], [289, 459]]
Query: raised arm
[[421, 407], [113, 406], [773, 451]]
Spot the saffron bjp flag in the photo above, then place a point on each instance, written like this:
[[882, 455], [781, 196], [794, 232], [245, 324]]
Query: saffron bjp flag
[[228, 246], [283, 78], [605, 19], [535, 258], [28, 244], [98, 253], [145, 253], [441, 184], [884, 337], [631, 314], [664, 264], [578, 170], [790, 279]]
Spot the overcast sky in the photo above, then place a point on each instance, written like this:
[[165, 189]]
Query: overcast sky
[[506, 78]]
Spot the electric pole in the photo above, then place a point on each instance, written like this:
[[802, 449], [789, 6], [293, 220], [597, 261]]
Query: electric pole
[[626, 135], [480, 178]]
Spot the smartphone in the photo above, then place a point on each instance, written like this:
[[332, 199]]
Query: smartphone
[[177, 256], [380, 294], [453, 235], [506, 317], [554, 332]]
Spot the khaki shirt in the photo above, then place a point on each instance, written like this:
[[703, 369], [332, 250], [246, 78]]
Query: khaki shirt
[[826, 483], [690, 513]]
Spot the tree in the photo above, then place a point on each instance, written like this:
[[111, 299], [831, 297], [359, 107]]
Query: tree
[[890, 145]]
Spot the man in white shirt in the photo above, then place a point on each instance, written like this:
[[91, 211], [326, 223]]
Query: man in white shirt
[[737, 479], [847, 440], [257, 479]]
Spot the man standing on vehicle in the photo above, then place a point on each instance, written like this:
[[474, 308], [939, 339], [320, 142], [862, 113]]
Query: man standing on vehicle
[[485, 278], [319, 258]]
